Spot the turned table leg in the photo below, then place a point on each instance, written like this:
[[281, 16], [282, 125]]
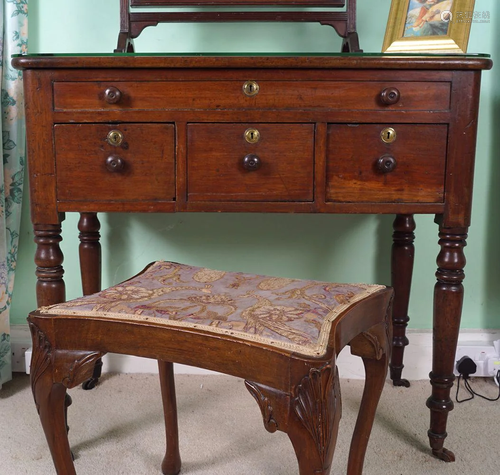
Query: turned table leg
[[90, 253], [171, 464], [90, 268], [448, 298], [403, 252], [50, 288]]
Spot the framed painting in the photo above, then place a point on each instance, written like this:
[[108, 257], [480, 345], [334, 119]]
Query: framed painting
[[433, 26]]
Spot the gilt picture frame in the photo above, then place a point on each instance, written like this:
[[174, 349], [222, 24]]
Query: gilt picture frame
[[432, 26]]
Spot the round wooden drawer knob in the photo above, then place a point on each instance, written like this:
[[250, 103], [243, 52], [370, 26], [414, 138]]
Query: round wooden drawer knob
[[115, 164], [386, 164], [251, 162], [390, 96], [112, 95]]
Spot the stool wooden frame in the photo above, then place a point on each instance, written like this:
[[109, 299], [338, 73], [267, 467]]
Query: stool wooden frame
[[297, 394]]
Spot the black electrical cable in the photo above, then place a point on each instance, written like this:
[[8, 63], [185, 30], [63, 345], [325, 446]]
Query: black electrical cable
[[466, 387], [474, 393]]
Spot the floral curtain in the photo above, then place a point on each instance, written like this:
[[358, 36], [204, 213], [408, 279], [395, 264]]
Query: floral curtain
[[13, 40]]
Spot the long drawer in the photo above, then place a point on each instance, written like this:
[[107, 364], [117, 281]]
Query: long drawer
[[252, 94]]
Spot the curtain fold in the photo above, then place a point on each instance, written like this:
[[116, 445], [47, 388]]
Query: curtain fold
[[13, 40]]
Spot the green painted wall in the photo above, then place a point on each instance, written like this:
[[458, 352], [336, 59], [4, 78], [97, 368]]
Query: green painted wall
[[344, 248]]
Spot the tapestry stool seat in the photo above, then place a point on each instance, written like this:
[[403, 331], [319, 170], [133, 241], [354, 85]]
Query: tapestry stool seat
[[281, 335]]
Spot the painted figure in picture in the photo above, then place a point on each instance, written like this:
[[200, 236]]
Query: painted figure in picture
[[428, 18]]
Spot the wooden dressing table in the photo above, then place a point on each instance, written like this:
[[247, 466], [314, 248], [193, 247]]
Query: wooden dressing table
[[360, 133]]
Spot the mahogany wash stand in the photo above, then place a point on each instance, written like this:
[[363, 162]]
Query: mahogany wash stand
[[326, 133]]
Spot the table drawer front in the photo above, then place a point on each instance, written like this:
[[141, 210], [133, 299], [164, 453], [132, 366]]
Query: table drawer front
[[106, 162], [250, 162], [220, 95], [361, 167]]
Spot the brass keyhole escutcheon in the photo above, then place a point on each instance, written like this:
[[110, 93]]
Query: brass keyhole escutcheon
[[115, 138], [388, 135], [251, 88], [252, 135]]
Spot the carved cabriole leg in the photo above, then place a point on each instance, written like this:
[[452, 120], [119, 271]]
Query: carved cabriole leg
[[310, 416], [403, 252], [448, 298], [90, 267], [171, 464], [52, 373], [272, 403], [374, 348], [317, 407], [50, 288]]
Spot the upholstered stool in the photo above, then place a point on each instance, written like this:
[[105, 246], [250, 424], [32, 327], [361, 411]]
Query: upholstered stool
[[281, 335]]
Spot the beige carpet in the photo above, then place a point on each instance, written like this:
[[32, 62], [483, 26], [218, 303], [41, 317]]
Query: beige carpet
[[118, 429]]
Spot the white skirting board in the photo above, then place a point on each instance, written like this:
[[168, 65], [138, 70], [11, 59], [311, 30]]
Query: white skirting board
[[417, 360]]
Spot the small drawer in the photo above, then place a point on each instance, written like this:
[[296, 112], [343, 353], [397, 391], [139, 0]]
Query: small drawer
[[105, 162], [252, 94], [250, 162], [362, 167]]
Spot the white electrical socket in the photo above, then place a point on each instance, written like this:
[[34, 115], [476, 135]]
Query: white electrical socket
[[493, 366], [27, 357], [19, 356], [486, 357]]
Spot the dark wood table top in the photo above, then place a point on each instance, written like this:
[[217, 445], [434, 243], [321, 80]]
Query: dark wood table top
[[253, 60]]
